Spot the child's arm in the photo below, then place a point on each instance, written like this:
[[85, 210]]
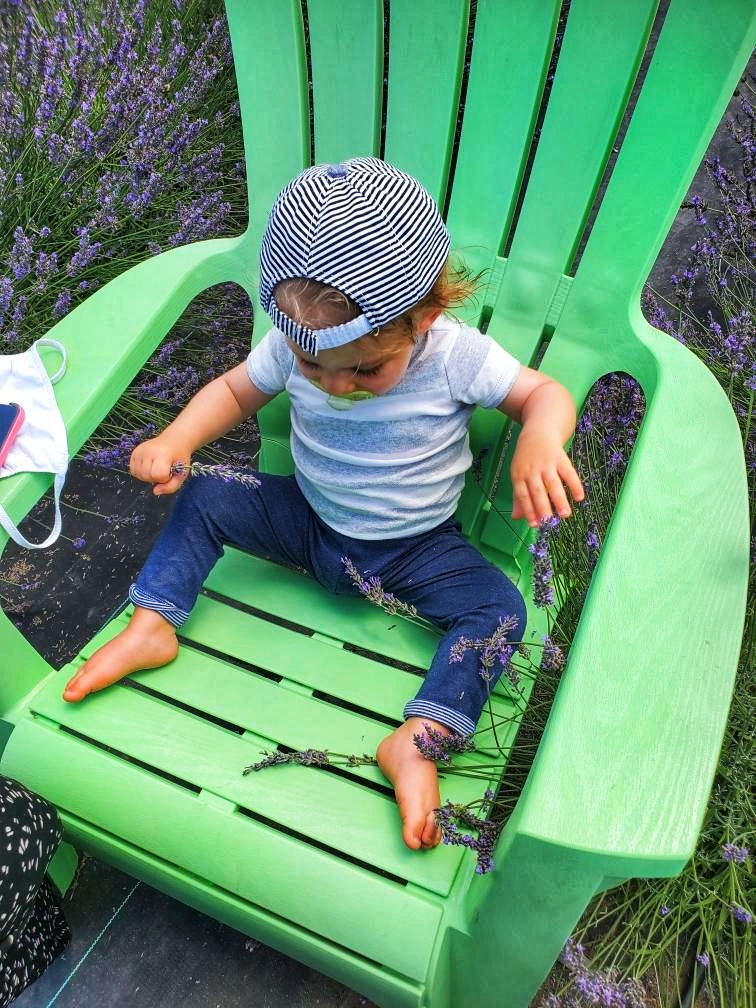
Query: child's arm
[[214, 410], [540, 466]]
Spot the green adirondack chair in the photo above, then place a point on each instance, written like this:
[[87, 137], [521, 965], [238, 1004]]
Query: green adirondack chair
[[311, 862]]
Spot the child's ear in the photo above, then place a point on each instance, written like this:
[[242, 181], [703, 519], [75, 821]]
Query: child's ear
[[426, 321]]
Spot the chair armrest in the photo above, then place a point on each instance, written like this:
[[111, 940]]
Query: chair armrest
[[626, 763], [109, 336]]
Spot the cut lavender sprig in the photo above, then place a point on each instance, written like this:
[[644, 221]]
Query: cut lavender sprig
[[303, 757], [310, 757], [440, 747], [493, 649], [372, 589], [449, 819], [543, 571], [223, 472]]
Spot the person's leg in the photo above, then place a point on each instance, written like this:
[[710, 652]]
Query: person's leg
[[458, 590], [33, 929], [470, 599], [272, 520]]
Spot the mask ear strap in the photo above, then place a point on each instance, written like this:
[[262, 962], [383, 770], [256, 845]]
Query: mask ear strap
[[16, 536], [46, 341]]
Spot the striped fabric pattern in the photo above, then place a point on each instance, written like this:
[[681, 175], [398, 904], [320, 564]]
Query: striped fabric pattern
[[167, 610], [363, 227]]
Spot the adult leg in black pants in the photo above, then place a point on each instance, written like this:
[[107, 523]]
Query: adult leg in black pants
[[33, 930]]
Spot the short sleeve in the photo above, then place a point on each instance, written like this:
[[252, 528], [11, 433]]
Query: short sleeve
[[480, 371], [269, 363]]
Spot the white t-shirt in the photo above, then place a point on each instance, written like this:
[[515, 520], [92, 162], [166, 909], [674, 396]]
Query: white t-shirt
[[394, 465]]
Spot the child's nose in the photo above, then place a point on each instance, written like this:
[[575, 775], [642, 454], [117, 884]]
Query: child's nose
[[338, 383]]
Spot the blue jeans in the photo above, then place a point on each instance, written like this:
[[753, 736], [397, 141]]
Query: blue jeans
[[438, 571]]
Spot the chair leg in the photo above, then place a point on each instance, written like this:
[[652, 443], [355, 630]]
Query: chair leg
[[62, 868], [525, 911]]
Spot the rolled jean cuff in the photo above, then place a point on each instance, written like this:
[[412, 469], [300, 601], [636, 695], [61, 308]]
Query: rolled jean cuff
[[167, 610], [451, 718]]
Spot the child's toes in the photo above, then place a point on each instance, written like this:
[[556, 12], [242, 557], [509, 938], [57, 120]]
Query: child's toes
[[88, 680], [412, 828], [77, 687], [431, 834]]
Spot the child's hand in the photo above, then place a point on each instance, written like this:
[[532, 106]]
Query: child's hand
[[540, 470], [153, 460]]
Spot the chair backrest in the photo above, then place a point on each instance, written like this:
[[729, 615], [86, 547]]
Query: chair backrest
[[453, 92]]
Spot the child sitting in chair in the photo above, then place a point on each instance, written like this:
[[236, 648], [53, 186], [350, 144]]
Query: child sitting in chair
[[355, 274]]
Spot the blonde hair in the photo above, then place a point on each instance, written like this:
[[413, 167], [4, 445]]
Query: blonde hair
[[318, 306]]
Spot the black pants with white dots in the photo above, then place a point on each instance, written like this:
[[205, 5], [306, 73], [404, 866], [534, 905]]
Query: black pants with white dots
[[33, 930]]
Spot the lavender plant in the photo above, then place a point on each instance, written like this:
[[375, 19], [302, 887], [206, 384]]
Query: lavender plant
[[120, 137]]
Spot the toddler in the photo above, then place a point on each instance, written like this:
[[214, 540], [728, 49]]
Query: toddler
[[355, 274]]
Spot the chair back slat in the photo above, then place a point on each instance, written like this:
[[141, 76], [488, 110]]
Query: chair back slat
[[676, 115], [427, 43], [600, 56], [509, 62], [271, 75], [347, 78]]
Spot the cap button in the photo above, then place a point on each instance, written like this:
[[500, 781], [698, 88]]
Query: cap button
[[336, 171]]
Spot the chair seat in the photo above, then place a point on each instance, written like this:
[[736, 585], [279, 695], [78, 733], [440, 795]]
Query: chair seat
[[157, 761]]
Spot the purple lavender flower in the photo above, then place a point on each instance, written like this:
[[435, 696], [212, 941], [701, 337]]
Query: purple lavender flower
[[703, 959], [224, 472], [62, 304], [597, 988], [449, 816], [543, 572], [20, 258], [19, 309], [494, 649], [552, 656], [592, 540], [302, 757], [79, 543], [734, 854], [741, 914], [458, 649], [372, 589], [439, 746], [86, 252], [167, 350], [120, 452], [173, 386], [6, 295]]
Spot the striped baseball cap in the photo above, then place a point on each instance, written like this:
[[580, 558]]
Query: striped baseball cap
[[363, 227]]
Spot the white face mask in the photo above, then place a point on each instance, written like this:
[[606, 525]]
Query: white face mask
[[41, 444]]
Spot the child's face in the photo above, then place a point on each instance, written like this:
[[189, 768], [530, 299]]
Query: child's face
[[355, 367]]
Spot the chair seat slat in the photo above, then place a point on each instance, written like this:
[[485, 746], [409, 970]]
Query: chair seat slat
[[333, 811], [230, 850]]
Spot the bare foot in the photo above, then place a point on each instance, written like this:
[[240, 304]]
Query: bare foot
[[415, 782], [147, 642]]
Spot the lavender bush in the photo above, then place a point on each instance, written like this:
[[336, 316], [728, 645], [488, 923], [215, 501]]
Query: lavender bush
[[120, 137]]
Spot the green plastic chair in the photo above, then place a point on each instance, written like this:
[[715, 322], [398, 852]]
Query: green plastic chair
[[311, 862]]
